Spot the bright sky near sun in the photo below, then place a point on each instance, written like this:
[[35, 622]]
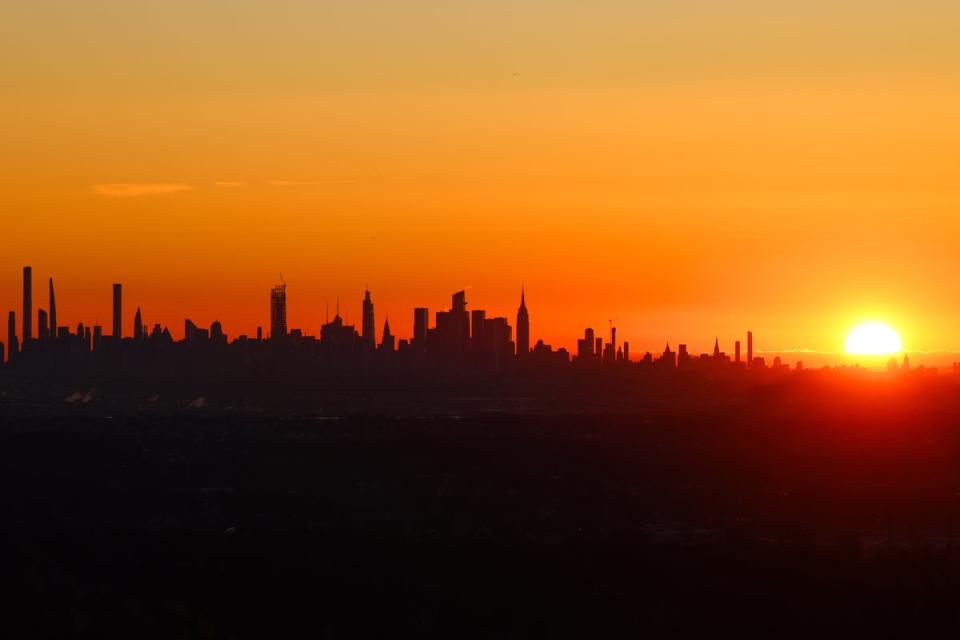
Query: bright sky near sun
[[692, 169]]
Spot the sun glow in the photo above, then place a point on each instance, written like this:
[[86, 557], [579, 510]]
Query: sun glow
[[873, 338]]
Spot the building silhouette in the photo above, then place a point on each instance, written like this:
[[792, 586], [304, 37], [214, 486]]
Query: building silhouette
[[12, 346], [53, 312], [138, 329], [117, 311], [421, 324], [367, 327], [387, 343], [278, 312], [43, 327], [749, 349], [523, 326], [27, 318]]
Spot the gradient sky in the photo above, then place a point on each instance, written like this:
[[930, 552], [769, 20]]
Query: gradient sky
[[691, 169]]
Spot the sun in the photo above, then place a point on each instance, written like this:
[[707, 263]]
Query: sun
[[873, 339]]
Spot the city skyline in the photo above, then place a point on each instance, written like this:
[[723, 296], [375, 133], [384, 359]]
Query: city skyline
[[365, 327]]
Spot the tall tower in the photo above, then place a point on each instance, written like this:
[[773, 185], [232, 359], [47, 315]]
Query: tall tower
[[421, 322], [278, 311], [53, 312], [523, 326], [368, 330], [117, 311], [138, 326], [736, 351], [27, 305], [716, 347], [749, 349], [11, 335]]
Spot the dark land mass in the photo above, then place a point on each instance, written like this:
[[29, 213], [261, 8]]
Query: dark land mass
[[823, 508]]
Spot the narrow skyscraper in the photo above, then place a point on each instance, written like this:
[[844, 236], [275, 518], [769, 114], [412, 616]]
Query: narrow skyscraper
[[523, 326], [278, 312], [12, 347], [43, 329], [137, 325], [27, 306], [421, 322], [53, 312], [368, 330], [749, 349], [117, 311]]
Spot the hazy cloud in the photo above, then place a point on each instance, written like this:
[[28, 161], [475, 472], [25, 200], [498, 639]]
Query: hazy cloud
[[302, 183], [228, 183], [136, 190]]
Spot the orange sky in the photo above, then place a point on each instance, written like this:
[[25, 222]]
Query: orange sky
[[689, 169]]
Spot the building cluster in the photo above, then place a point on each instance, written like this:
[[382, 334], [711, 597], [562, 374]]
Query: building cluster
[[457, 337]]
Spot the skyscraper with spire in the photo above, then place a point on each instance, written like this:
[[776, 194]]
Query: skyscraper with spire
[[368, 329], [138, 326], [53, 312], [523, 326], [387, 343]]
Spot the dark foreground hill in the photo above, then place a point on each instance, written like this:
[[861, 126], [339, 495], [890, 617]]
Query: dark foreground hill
[[768, 518]]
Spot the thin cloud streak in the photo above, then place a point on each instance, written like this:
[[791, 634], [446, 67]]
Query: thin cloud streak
[[305, 183], [137, 190], [231, 184]]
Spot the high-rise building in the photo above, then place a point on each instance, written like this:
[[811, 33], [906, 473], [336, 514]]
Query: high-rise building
[[421, 323], [716, 347], [477, 319], [12, 347], [117, 311], [138, 333], [367, 328], [387, 343], [736, 352], [523, 326], [459, 323], [749, 349], [43, 328], [27, 306], [278, 312], [53, 312]]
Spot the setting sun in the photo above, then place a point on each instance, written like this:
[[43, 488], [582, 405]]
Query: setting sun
[[873, 338]]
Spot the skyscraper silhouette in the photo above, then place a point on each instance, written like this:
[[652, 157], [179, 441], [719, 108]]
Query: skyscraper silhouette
[[53, 312], [749, 349], [278, 312], [117, 311], [138, 326], [27, 306], [736, 352], [523, 326], [388, 343], [368, 330], [12, 335], [43, 328], [421, 322]]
